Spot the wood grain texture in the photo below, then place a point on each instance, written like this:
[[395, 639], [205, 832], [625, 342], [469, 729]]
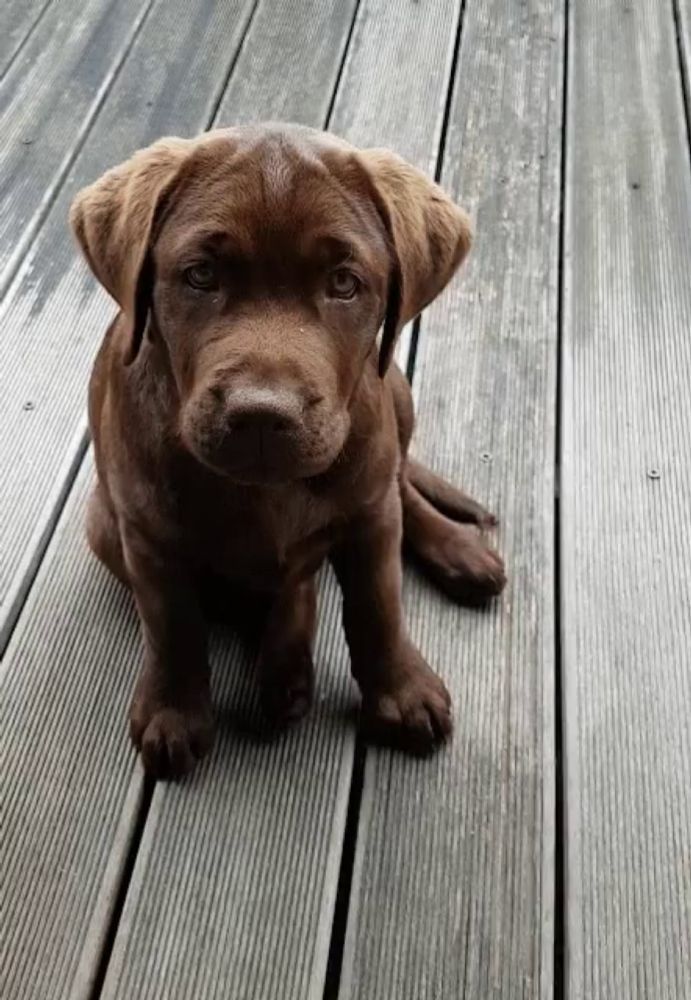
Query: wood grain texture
[[290, 63], [453, 887], [71, 785], [18, 20], [395, 78], [54, 315], [48, 102], [251, 914], [626, 497], [683, 18]]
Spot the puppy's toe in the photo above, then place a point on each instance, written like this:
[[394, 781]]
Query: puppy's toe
[[413, 715], [475, 513], [172, 740], [284, 704], [286, 686]]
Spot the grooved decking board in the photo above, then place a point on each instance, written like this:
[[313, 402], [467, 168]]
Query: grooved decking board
[[453, 885], [252, 914], [394, 84], [291, 58], [48, 102], [18, 19], [626, 544], [71, 785], [54, 314]]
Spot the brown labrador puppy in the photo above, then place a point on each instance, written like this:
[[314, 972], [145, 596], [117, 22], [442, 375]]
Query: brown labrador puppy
[[246, 422]]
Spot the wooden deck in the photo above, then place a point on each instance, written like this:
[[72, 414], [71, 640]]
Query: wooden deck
[[545, 853]]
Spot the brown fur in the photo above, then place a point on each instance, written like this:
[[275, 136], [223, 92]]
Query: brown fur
[[246, 424]]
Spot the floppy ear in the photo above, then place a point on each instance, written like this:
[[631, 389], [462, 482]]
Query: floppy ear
[[431, 236], [113, 220]]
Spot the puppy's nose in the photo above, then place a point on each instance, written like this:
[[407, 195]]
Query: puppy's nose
[[262, 411]]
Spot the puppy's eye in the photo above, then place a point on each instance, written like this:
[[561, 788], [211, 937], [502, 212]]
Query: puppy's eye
[[202, 277], [343, 284]]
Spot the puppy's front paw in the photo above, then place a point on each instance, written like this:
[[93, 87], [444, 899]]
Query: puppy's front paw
[[286, 679], [411, 710], [170, 739]]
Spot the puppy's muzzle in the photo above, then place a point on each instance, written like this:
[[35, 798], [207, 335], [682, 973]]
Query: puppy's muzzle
[[263, 430], [262, 433]]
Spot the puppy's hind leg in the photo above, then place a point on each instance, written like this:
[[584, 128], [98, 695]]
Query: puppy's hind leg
[[103, 534], [454, 556], [447, 498]]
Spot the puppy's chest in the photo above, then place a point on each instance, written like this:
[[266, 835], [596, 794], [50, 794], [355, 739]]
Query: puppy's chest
[[259, 536]]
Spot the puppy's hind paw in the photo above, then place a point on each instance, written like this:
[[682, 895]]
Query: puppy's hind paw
[[465, 567]]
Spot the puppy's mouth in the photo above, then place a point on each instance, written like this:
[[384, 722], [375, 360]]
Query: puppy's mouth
[[262, 468], [265, 452]]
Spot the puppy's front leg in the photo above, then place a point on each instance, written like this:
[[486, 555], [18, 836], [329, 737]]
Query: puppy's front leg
[[404, 701], [170, 719], [286, 672]]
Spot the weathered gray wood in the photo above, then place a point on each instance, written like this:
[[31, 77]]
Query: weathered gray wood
[[71, 786], [291, 58], [18, 19], [251, 914], [48, 102], [626, 496], [453, 886], [393, 90], [54, 315], [683, 14]]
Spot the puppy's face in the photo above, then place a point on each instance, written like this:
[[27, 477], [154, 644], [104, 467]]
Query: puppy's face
[[271, 273], [264, 260]]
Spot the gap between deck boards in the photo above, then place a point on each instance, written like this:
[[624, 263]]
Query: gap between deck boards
[[560, 887], [684, 58]]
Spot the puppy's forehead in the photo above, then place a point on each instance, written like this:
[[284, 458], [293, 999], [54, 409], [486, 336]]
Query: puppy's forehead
[[275, 182]]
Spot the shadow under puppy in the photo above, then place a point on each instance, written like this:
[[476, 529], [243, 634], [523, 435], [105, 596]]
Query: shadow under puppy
[[247, 422]]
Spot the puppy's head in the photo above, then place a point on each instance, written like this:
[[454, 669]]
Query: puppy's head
[[265, 260]]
